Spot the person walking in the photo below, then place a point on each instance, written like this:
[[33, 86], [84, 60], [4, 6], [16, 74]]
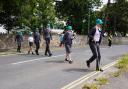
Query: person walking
[[37, 41], [68, 37], [31, 41], [95, 36], [110, 40], [47, 37], [19, 40], [61, 39]]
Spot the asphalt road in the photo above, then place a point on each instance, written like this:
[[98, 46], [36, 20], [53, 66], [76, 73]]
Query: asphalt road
[[40, 72]]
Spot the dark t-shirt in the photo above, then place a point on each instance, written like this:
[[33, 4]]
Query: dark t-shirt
[[68, 37]]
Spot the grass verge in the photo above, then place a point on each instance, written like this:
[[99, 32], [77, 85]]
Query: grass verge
[[122, 65], [102, 81], [90, 86]]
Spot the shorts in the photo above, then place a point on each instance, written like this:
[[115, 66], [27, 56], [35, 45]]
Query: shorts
[[19, 44], [30, 43], [68, 48]]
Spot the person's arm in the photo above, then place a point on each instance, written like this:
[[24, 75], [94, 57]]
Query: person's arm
[[64, 37], [101, 36], [22, 39], [91, 34], [50, 35], [39, 37], [15, 38]]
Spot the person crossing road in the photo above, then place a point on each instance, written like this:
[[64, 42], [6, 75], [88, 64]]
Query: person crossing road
[[68, 37], [95, 36]]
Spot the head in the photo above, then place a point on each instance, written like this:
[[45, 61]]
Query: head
[[99, 23], [69, 28], [20, 33], [30, 33]]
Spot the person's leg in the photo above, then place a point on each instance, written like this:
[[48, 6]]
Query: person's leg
[[48, 48], [99, 56], [29, 48], [66, 57], [68, 51], [94, 52], [32, 48], [98, 59], [17, 47], [110, 43], [37, 48], [20, 47]]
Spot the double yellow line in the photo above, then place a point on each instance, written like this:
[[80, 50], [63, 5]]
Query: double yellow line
[[84, 78]]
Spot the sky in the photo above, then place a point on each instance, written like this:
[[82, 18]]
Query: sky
[[104, 2]]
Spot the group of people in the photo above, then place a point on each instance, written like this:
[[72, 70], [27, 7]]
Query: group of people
[[35, 38], [95, 37]]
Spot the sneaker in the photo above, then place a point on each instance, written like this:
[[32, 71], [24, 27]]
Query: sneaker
[[32, 53], [88, 64], [28, 52], [99, 69], [66, 59], [70, 61], [50, 55], [46, 54]]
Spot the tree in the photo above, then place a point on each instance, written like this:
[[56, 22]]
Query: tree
[[118, 16], [31, 13], [76, 11]]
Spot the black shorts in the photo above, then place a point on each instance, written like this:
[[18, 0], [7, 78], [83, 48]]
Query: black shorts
[[30, 43], [68, 48]]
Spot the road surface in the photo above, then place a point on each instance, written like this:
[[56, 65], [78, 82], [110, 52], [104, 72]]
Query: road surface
[[40, 72]]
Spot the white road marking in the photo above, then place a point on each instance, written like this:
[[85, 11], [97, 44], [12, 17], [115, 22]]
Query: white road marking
[[35, 60], [21, 62]]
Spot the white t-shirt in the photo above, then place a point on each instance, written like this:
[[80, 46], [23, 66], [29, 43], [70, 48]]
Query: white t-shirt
[[97, 34], [30, 39]]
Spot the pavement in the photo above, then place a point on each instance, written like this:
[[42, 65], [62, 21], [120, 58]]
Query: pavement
[[24, 71], [120, 82]]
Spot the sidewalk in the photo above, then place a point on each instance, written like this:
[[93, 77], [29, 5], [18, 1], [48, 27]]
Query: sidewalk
[[111, 78], [120, 82]]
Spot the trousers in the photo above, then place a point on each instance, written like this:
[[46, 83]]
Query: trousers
[[94, 46]]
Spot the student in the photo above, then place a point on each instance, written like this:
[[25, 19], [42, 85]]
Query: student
[[61, 39], [109, 40], [95, 36], [37, 41], [47, 38], [68, 37], [31, 41], [19, 40]]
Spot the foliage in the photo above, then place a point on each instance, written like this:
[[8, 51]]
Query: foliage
[[31, 13], [90, 86], [102, 80], [76, 12], [117, 19], [123, 63]]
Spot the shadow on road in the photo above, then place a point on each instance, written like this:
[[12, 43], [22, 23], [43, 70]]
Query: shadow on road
[[62, 61], [77, 70]]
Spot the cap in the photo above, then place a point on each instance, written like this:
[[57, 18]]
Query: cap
[[99, 21]]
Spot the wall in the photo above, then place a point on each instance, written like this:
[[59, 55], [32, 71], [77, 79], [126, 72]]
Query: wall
[[8, 41]]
